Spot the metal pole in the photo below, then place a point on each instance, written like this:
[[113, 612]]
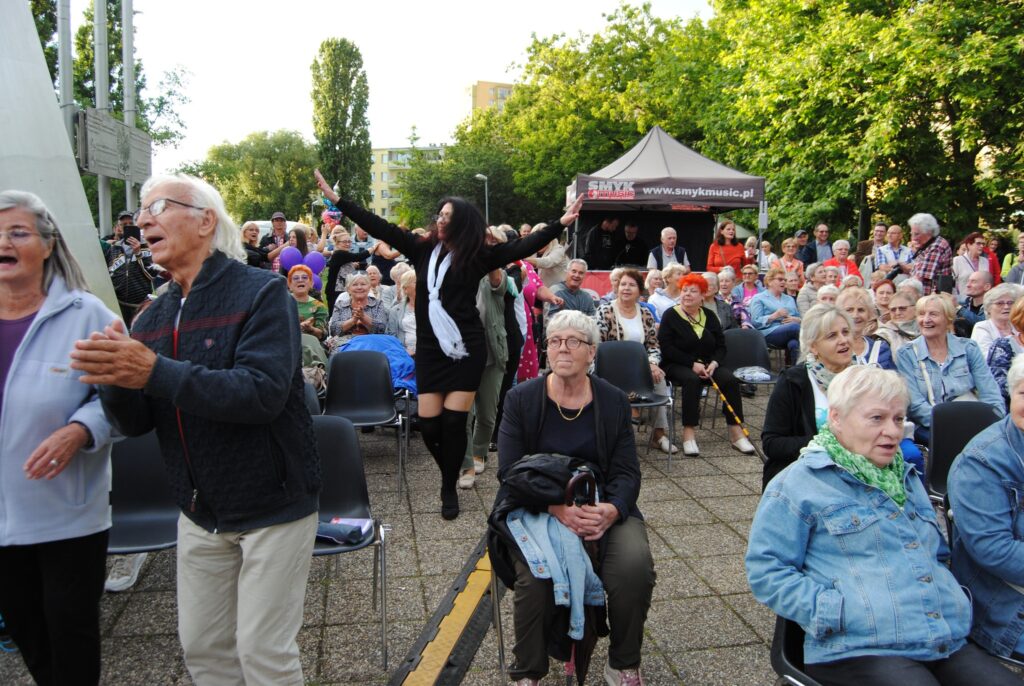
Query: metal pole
[[487, 203], [64, 68], [102, 83], [128, 70]]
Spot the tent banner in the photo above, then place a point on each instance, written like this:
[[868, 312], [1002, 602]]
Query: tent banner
[[706, 192]]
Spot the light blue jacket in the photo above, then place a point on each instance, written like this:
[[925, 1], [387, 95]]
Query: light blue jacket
[[860, 575], [554, 552], [41, 395], [963, 371], [764, 304], [986, 494]]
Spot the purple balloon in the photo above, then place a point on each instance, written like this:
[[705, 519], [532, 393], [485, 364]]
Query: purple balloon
[[290, 257], [315, 261], [318, 285]]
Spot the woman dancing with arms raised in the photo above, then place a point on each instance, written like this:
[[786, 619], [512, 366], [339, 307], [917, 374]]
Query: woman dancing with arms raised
[[450, 346]]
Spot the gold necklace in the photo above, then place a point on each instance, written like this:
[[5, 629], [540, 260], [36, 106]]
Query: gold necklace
[[569, 419], [559, 408]]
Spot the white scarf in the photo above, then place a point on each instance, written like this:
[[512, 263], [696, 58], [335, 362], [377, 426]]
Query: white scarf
[[444, 327]]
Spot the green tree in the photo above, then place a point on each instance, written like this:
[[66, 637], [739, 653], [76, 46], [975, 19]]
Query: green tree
[[158, 114], [45, 14], [261, 174], [479, 149], [916, 102], [340, 95]]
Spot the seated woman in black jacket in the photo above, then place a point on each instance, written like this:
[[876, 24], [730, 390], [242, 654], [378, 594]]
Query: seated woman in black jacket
[[798, 406], [571, 413], [692, 350]]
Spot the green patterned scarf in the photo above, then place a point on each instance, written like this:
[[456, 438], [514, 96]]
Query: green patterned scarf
[[888, 479]]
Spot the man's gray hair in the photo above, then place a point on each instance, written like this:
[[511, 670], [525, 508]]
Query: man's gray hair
[[60, 262], [865, 381], [1003, 291], [1016, 374], [201, 194], [912, 283], [841, 243], [817, 322], [924, 222], [576, 321], [576, 260], [666, 229]]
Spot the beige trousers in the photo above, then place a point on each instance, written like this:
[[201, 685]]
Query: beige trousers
[[240, 599]]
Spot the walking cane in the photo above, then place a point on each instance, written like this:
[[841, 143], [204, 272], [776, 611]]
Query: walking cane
[[743, 428]]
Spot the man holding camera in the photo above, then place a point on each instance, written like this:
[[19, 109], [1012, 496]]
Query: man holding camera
[[130, 265]]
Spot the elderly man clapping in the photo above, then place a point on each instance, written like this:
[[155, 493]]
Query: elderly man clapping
[[210, 367]]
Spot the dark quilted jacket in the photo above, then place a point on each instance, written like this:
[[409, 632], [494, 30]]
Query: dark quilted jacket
[[229, 401]]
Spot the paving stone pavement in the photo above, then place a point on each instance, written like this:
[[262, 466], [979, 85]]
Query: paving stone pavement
[[704, 626]]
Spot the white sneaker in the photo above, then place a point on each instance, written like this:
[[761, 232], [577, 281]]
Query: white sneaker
[[479, 465], [690, 448], [744, 446], [665, 447], [124, 572], [467, 479], [622, 677]]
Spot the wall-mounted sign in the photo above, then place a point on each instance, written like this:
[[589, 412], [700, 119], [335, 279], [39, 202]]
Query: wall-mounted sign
[[111, 148]]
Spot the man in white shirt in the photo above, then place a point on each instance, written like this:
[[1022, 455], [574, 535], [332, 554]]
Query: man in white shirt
[[668, 252], [893, 252]]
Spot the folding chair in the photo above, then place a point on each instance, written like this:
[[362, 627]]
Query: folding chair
[[954, 424], [787, 654], [624, 364], [359, 389], [344, 494], [144, 514], [743, 348]]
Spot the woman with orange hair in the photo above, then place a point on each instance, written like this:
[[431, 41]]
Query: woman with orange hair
[[692, 350]]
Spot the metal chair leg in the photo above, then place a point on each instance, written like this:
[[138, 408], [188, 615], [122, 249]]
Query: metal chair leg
[[384, 529], [496, 616]]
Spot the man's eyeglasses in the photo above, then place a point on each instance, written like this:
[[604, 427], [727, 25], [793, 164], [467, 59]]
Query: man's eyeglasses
[[571, 343], [899, 308], [157, 207]]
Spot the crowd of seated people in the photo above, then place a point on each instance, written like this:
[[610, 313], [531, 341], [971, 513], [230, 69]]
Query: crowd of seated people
[[852, 409]]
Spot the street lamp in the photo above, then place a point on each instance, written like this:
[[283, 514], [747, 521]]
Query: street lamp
[[487, 200]]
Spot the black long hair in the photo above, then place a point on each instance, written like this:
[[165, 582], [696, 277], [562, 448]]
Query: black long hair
[[720, 237], [465, 231], [300, 240]]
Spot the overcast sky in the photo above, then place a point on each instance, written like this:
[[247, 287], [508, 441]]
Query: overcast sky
[[249, 59]]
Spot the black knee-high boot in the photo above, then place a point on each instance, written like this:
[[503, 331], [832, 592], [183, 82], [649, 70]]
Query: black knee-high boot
[[453, 450], [431, 431]]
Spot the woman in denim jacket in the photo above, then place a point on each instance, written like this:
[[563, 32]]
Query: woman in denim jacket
[[986, 495], [845, 543], [939, 367]]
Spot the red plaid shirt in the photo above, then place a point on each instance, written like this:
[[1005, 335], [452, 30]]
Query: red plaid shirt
[[935, 259]]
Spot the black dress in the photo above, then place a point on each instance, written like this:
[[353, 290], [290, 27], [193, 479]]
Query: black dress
[[435, 371]]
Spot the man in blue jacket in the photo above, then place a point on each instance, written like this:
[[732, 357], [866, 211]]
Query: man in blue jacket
[[212, 368]]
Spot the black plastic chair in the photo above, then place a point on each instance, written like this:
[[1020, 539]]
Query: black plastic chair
[[743, 348], [359, 389], [312, 400], [624, 364], [954, 424], [144, 514], [787, 654], [344, 494]]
